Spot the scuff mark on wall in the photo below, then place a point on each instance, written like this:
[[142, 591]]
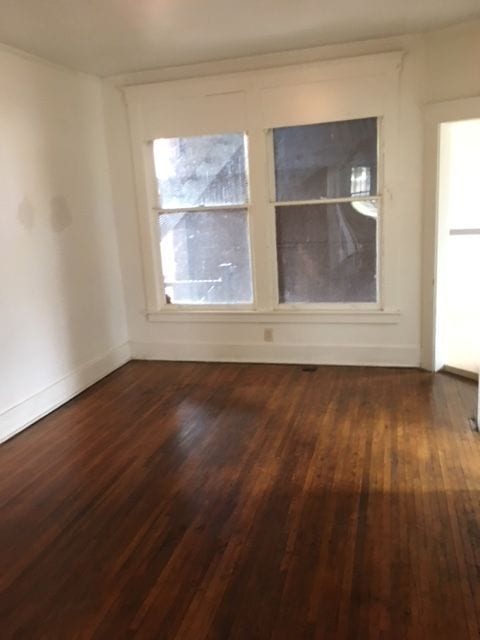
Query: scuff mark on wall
[[61, 215], [26, 214]]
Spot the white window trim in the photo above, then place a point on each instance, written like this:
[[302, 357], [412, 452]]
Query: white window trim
[[380, 71], [281, 316]]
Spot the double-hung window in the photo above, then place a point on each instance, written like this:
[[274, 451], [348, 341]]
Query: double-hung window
[[326, 207], [326, 200], [202, 202]]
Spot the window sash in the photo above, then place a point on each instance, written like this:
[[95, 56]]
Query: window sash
[[209, 306], [246, 177], [291, 203], [202, 209], [244, 206], [331, 304], [274, 203]]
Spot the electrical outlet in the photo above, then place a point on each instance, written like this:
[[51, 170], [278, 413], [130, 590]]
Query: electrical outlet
[[268, 334]]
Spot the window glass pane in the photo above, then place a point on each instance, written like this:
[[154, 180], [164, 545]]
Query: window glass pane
[[200, 171], [332, 160], [327, 253], [206, 257]]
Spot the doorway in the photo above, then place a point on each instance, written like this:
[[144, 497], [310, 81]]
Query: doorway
[[458, 254]]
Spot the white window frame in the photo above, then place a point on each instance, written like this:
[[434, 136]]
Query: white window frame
[[274, 203], [255, 103], [241, 306]]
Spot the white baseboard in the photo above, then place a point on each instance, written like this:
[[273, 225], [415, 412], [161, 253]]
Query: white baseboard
[[25, 413], [362, 355]]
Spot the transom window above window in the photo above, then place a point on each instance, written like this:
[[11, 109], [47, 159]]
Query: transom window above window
[[202, 196], [326, 205]]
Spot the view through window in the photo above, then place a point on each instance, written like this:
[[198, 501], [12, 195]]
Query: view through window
[[326, 207], [202, 195]]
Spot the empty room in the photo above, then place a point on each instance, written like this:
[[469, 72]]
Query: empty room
[[239, 320]]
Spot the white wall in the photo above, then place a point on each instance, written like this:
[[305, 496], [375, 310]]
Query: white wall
[[441, 65], [452, 70], [62, 318], [452, 92]]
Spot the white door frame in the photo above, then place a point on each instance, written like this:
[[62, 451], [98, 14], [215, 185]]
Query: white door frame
[[433, 230]]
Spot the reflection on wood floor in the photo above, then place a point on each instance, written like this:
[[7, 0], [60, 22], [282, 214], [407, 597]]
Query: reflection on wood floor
[[195, 501]]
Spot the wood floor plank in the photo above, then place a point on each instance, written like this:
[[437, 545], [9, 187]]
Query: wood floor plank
[[195, 501]]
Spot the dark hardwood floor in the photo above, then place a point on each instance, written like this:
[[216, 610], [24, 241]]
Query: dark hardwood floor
[[219, 501]]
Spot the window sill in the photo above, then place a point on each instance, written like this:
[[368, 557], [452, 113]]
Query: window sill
[[279, 316]]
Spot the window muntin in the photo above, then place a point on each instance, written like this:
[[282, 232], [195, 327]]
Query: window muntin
[[326, 211], [202, 195]]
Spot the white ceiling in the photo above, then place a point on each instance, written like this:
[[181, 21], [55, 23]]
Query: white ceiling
[[106, 37]]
